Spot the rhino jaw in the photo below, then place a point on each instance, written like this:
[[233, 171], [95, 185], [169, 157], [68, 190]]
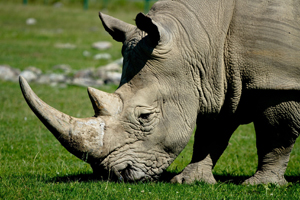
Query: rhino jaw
[[81, 137]]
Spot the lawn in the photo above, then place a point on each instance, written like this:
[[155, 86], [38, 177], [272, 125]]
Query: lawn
[[34, 165]]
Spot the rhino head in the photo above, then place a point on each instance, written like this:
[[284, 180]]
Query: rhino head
[[139, 130]]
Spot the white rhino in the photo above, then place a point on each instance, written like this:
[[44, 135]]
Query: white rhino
[[216, 64]]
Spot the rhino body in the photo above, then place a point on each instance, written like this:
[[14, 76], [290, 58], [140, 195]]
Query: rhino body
[[216, 64]]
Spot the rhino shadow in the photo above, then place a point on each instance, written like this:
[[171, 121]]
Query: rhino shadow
[[73, 178], [166, 177], [237, 180]]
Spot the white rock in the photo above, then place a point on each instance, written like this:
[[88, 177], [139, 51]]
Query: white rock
[[86, 82], [58, 5], [86, 54], [58, 78], [29, 75], [35, 70], [43, 79], [65, 46], [63, 67], [85, 73], [8, 73], [31, 21], [105, 56], [111, 67], [113, 77], [119, 61], [102, 45]]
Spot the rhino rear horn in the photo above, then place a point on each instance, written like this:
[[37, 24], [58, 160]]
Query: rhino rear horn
[[118, 29], [105, 104]]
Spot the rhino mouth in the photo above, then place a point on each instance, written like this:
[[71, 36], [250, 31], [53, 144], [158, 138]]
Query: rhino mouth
[[130, 174], [131, 165]]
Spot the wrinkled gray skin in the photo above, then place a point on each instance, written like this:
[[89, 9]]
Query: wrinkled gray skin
[[214, 63]]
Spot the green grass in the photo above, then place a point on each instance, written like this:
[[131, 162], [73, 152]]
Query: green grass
[[24, 45], [33, 164]]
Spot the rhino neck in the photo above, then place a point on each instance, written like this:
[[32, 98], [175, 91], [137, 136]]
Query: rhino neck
[[201, 35]]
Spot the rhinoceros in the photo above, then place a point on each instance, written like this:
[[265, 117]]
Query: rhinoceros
[[216, 64]]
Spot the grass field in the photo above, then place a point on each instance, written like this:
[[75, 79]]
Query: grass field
[[33, 164]]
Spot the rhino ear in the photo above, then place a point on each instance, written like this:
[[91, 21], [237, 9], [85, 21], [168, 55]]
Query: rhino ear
[[115, 27], [146, 24]]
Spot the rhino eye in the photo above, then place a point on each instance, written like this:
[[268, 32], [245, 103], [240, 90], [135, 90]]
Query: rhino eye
[[145, 116]]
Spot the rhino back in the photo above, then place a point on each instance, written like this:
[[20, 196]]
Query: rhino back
[[264, 43]]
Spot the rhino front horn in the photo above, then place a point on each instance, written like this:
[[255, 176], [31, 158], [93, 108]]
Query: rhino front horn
[[81, 137]]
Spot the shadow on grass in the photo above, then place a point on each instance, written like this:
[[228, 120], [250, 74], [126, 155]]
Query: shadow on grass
[[237, 180], [75, 178], [240, 179], [293, 179], [166, 177]]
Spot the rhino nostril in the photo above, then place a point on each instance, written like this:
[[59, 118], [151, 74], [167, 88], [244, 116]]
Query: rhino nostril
[[117, 174], [120, 178], [126, 173]]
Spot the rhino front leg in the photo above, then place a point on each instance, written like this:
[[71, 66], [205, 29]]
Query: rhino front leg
[[211, 139], [276, 133], [197, 171]]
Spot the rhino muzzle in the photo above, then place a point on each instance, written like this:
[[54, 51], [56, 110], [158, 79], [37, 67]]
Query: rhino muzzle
[[82, 137]]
